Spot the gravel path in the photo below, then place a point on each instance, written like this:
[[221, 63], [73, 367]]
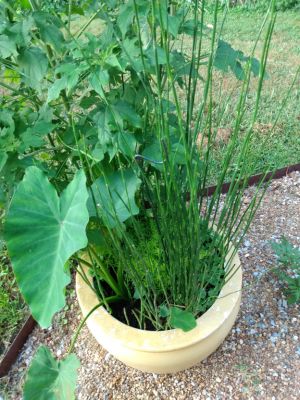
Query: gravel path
[[260, 359]]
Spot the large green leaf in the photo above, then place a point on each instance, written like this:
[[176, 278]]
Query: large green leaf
[[34, 135], [125, 17], [48, 379], [114, 197], [34, 65], [98, 79], [227, 58], [56, 88], [70, 73], [173, 25], [126, 112], [127, 143], [48, 26], [20, 32], [7, 47], [154, 156], [42, 231]]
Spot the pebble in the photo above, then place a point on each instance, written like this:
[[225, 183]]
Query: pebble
[[282, 303]]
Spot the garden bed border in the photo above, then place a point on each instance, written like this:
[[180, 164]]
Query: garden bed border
[[14, 349]]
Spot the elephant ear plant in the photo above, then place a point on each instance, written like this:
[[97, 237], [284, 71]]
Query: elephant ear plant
[[107, 146]]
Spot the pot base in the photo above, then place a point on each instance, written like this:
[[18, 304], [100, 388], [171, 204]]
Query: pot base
[[164, 351]]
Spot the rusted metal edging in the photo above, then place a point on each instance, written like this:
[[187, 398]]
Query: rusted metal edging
[[17, 345], [253, 180], [13, 351]]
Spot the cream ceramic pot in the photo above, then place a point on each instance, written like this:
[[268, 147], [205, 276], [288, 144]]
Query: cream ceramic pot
[[165, 351]]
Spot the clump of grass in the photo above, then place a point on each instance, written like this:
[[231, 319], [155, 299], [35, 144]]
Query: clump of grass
[[156, 270], [13, 308], [288, 270], [283, 145]]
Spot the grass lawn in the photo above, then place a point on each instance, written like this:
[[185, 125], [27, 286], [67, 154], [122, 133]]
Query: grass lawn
[[241, 29], [13, 310]]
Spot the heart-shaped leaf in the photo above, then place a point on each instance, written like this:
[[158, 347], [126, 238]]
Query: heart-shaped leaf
[[42, 231], [48, 379]]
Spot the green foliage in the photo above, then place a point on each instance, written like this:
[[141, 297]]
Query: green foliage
[[48, 379], [226, 57], [256, 5], [263, 5], [113, 197], [274, 146], [124, 108], [101, 102], [33, 64], [42, 232], [13, 309], [45, 67], [288, 271]]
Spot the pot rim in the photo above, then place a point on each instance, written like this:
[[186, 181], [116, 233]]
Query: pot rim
[[168, 340]]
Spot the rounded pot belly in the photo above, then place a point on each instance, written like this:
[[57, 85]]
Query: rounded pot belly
[[164, 351]]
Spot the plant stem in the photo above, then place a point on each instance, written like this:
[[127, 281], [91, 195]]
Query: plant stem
[[111, 299]]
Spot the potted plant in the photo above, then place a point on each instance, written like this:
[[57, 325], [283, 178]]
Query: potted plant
[[123, 123]]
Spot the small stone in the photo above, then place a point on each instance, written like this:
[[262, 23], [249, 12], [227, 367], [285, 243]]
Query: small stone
[[284, 304]]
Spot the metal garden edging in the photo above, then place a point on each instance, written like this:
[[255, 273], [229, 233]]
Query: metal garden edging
[[13, 351]]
